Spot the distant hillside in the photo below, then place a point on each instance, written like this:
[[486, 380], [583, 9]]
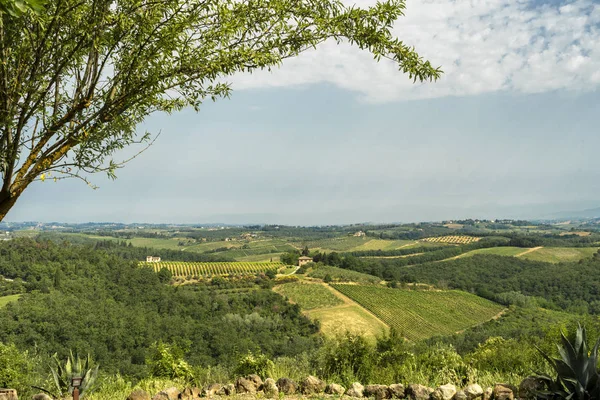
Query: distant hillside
[[590, 213]]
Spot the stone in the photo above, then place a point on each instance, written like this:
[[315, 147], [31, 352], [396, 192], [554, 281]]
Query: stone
[[312, 385], [270, 388], [418, 392], [257, 381], [397, 391], [529, 387], [243, 385], [171, 393], [487, 395], [334, 388], [287, 386], [460, 395], [503, 392], [138, 394], [378, 391], [8, 394], [444, 392], [44, 396], [227, 390], [355, 390], [211, 390], [473, 391]]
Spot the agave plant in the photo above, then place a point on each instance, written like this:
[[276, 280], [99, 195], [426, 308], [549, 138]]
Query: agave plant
[[576, 369], [64, 371]]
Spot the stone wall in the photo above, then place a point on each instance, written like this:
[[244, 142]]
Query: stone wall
[[253, 385]]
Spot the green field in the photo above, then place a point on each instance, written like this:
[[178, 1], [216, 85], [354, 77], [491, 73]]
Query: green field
[[380, 244], [309, 295], [343, 275], [197, 269], [7, 299], [422, 314], [500, 251], [345, 243], [560, 254]]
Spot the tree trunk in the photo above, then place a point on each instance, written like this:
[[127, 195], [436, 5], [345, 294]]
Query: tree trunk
[[6, 203]]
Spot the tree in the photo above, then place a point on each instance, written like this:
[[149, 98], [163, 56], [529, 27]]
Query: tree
[[76, 80], [16, 8]]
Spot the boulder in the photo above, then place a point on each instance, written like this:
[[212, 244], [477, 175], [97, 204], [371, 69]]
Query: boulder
[[44, 396], [287, 386], [487, 395], [227, 390], [529, 387], [444, 392], [460, 395], [211, 390], [378, 391], [171, 393], [8, 394], [503, 392], [473, 391], [355, 390], [243, 385], [334, 388], [312, 385], [396, 391], [270, 388], [257, 381], [418, 392], [138, 394]]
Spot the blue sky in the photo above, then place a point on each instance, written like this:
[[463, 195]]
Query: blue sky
[[511, 130]]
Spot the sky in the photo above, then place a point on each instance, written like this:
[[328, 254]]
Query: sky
[[333, 137]]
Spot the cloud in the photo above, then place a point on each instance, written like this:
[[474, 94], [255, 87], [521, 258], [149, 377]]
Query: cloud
[[483, 46]]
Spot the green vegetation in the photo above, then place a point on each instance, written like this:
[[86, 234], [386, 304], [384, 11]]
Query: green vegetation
[[560, 254], [500, 251], [576, 369], [309, 295], [422, 314], [195, 270], [342, 275], [380, 244], [572, 287], [4, 300], [91, 301]]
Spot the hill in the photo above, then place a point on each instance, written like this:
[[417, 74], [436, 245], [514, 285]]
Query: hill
[[420, 314], [335, 312]]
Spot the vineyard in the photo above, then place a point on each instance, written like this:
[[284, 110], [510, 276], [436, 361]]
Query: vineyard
[[452, 239], [422, 314], [309, 296], [197, 269]]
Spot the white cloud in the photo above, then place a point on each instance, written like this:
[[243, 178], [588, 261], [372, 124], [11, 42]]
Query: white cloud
[[482, 46]]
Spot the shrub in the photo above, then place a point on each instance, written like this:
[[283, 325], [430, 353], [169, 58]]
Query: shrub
[[16, 368], [167, 362], [258, 364]]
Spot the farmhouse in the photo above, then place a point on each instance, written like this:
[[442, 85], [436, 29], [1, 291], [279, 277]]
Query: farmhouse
[[152, 259], [304, 260], [359, 234]]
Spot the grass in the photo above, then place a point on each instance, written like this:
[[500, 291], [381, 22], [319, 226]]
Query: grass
[[309, 295], [352, 318], [380, 244], [4, 300], [560, 254], [501, 251], [421, 314], [343, 275]]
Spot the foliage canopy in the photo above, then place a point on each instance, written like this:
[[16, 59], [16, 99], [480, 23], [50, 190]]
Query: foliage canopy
[[76, 79]]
